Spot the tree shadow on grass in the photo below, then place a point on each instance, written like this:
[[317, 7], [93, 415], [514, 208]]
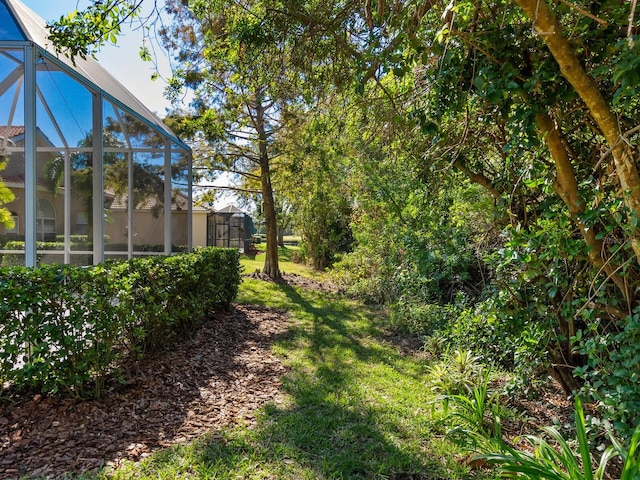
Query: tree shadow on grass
[[331, 423], [329, 428], [335, 323]]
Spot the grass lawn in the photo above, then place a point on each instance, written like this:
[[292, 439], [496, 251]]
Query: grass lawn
[[251, 264], [355, 408]]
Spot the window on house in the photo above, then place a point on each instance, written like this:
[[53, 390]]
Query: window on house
[[82, 223], [46, 218]]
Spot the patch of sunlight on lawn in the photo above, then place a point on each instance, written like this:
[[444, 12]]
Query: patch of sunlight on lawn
[[252, 264]]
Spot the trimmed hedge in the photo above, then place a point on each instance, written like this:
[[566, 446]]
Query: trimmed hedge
[[78, 242], [68, 328]]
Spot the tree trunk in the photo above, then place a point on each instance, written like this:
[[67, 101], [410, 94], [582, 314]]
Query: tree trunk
[[271, 267], [563, 372], [566, 186], [550, 33], [478, 178], [561, 356], [281, 237]]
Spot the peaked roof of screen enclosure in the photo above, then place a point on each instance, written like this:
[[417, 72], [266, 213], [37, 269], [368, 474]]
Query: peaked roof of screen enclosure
[[28, 26], [86, 115]]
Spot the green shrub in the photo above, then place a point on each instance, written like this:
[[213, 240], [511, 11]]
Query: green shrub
[[11, 260], [68, 328], [78, 239], [421, 318], [9, 238], [459, 372], [15, 260], [612, 371]]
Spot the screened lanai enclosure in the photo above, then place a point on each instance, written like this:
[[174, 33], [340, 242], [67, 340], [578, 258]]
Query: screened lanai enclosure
[[229, 227], [92, 173]]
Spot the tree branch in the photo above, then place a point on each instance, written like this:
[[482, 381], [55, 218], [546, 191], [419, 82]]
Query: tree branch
[[584, 12], [223, 187]]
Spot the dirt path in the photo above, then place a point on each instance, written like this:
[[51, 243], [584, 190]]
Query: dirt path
[[218, 378]]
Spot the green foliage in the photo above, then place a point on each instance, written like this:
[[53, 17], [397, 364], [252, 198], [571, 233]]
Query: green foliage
[[630, 455], [83, 33], [413, 249], [611, 373], [561, 309], [434, 344], [313, 183], [558, 460], [471, 411], [422, 319], [6, 196], [11, 259], [75, 337], [626, 76], [476, 423], [459, 372]]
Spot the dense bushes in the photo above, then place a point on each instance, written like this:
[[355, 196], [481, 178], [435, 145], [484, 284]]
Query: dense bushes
[[70, 328]]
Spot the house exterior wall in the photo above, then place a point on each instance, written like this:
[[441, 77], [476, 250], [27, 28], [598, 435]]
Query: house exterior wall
[[180, 228], [77, 217], [148, 230], [200, 228]]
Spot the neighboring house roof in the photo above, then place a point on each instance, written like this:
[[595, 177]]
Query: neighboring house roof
[[19, 181], [35, 30], [229, 209], [13, 131], [16, 134], [119, 202]]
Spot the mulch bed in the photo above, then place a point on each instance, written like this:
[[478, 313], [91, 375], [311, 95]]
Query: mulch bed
[[218, 378]]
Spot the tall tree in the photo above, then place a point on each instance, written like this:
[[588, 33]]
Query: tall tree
[[239, 72]]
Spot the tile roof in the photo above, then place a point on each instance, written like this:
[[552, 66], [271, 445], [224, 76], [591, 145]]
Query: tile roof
[[119, 202], [19, 180], [14, 131]]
